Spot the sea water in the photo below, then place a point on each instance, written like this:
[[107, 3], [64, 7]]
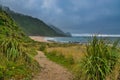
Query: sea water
[[79, 39]]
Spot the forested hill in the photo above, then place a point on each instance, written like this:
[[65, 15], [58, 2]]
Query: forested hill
[[34, 26]]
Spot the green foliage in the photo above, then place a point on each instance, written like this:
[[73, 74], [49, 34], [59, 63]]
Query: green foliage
[[52, 45], [60, 59], [15, 70], [14, 49], [10, 48], [99, 61], [42, 47], [16, 57]]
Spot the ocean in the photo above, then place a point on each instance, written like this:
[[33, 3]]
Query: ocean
[[80, 39]]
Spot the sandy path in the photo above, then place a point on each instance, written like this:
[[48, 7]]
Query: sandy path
[[51, 70]]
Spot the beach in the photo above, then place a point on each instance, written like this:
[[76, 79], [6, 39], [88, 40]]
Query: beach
[[38, 38]]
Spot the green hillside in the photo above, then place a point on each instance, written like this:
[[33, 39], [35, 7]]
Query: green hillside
[[33, 26], [59, 31], [8, 28], [16, 52]]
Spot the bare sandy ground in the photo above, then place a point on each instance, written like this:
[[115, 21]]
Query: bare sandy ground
[[51, 70], [38, 38]]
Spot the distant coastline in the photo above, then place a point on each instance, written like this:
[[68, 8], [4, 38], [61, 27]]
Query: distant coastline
[[81, 38]]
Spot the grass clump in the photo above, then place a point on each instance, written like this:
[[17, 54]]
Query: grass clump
[[60, 59], [42, 48], [16, 53], [16, 60], [99, 61]]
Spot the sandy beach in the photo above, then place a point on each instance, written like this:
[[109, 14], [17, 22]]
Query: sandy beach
[[38, 38]]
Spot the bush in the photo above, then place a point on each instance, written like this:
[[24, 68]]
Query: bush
[[99, 61], [16, 60], [42, 47]]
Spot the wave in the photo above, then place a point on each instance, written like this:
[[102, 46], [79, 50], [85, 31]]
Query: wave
[[99, 35]]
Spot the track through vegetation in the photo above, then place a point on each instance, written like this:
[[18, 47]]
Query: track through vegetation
[[51, 70]]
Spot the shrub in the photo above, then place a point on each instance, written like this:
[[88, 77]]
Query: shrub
[[16, 60], [43, 47], [12, 48], [99, 61]]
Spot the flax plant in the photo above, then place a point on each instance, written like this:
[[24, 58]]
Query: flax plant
[[99, 60]]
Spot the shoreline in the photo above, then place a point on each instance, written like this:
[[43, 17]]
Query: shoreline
[[38, 38], [76, 40], [43, 39]]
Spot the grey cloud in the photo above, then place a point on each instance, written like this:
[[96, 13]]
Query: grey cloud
[[72, 15]]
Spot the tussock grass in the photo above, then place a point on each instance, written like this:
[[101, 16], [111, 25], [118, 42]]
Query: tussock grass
[[16, 60], [76, 51], [99, 61], [16, 52], [60, 59], [96, 60]]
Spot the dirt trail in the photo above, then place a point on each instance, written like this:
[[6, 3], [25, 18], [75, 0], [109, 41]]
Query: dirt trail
[[51, 70]]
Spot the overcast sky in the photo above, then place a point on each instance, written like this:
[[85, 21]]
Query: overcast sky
[[75, 16]]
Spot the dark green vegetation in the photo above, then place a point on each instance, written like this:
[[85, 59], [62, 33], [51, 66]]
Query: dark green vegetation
[[33, 26], [99, 61], [16, 53]]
